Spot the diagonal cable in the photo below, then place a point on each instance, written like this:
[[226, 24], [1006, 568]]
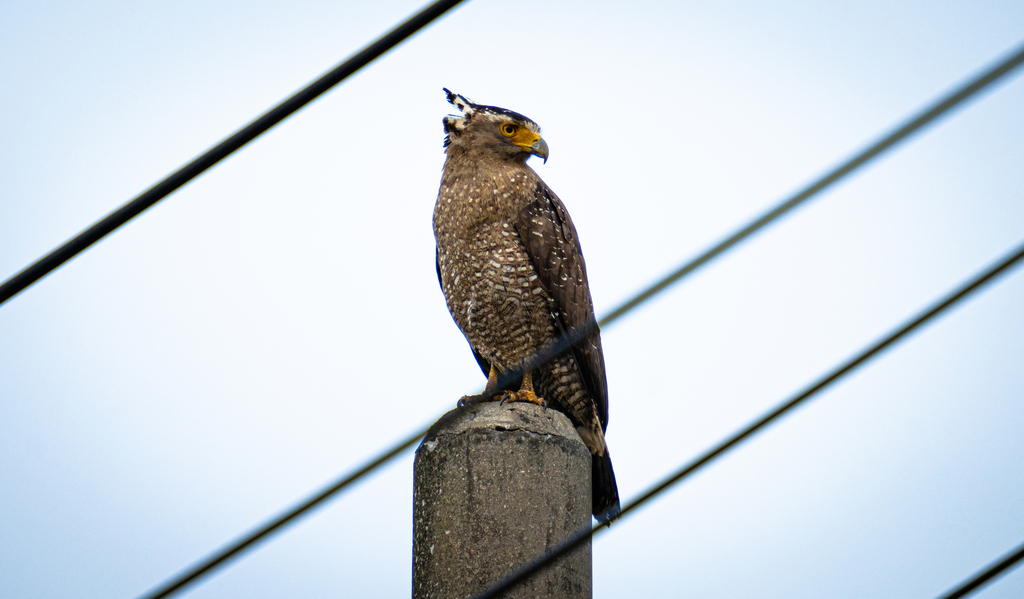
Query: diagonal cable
[[924, 117], [986, 576], [232, 550], [583, 535], [222, 150]]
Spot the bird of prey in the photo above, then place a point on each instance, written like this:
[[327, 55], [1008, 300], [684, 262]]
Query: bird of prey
[[512, 272]]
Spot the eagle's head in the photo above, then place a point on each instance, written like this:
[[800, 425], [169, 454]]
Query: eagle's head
[[492, 130]]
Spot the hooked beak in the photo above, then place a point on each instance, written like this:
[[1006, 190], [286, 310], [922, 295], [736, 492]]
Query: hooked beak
[[540, 148]]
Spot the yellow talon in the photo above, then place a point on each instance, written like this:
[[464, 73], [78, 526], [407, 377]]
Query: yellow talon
[[524, 395]]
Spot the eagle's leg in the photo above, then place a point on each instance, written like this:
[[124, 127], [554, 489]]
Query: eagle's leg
[[490, 391], [525, 392]]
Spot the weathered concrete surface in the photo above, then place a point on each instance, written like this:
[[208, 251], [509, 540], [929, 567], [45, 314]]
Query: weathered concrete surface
[[494, 486]]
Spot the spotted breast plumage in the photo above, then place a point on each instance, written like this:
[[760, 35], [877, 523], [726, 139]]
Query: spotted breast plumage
[[512, 272]]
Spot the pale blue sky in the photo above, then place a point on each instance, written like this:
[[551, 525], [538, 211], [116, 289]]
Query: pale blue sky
[[252, 337]]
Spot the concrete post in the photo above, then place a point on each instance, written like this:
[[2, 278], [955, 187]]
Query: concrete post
[[494, 485]]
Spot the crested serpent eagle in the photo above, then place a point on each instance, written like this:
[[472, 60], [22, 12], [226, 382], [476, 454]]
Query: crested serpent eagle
[[512, 272]]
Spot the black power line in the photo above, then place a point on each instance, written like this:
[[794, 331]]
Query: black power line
[[924, 117], [583, 535], [985, 576], [222, 150], [912, 125], [208, 564]]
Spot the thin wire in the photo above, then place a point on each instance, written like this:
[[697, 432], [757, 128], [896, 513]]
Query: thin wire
[[987, 575], [583, 535], [908, 128], [222, 150], [232, 550], [575, 334]]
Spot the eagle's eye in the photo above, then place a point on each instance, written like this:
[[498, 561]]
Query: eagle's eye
[[509, 129]]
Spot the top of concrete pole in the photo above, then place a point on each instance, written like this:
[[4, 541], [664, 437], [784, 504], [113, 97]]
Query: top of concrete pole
[[518, 416]]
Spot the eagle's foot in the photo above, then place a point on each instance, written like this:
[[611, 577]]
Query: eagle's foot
[[468, 400], [524, 395]]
